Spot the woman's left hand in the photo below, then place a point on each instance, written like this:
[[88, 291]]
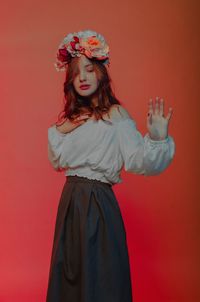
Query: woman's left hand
[[157, 124]]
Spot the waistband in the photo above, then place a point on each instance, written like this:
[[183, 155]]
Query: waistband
[[76, 178]]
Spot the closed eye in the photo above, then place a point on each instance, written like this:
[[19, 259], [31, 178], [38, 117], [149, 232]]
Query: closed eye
[[90, 70]]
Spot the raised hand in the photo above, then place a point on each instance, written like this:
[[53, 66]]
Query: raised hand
[[157, 124]]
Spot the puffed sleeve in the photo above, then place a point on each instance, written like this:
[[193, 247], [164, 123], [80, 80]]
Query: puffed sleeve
[[142, 155], [55, 142]]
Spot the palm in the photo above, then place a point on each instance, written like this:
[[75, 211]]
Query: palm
[[157, 124]]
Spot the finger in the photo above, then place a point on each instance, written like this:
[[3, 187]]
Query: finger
[[149, 118], [80, 118], [150, 105], [81, 123], [161, 107], [83, 120], [157, 105], [61, 122], [75, 121], [169, 114], [85, 116]]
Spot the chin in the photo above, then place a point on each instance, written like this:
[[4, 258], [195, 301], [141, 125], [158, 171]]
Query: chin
[[86, 93]]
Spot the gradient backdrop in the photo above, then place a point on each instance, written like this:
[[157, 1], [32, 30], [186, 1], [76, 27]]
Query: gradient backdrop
[[154, 48]]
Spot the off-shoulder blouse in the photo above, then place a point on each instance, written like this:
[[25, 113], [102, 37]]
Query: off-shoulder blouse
[[100, 150]]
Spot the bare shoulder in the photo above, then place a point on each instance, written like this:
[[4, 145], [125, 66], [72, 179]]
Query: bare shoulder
[[118, 112]]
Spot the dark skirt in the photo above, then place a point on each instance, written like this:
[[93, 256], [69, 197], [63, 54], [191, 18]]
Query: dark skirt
[[89, 261]]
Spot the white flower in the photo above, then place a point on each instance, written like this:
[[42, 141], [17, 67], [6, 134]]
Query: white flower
[[89, 42]]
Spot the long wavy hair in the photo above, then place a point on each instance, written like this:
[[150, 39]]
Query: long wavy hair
[[75, 105]]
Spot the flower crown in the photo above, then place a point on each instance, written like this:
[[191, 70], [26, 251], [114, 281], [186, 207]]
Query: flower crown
[[87, 42]]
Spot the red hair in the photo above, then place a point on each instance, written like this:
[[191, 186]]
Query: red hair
[[75, 104]]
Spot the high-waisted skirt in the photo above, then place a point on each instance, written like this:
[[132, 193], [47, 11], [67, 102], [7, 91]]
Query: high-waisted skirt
[[89, 260]]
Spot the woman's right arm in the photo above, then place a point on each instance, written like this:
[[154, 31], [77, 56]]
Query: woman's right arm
[[55, 142], [56, 137]]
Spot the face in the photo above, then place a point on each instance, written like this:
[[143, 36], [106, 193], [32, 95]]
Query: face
[[85, 76]]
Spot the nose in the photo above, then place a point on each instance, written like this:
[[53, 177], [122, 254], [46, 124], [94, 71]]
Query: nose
[[82, 76]]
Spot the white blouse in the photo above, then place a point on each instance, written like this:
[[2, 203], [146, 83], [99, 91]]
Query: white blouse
[[99, 150]]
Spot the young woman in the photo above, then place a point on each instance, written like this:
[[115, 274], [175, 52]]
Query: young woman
[[93, 139]]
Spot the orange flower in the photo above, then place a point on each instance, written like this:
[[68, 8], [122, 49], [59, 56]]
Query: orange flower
[[85, 42], [93, 41]]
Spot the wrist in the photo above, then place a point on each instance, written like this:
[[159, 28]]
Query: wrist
[[153, 138], [60, 129]]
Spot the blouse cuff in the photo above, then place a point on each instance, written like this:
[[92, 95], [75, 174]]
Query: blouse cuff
[[155, 142]]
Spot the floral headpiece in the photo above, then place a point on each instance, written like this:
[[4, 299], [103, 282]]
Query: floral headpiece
[[86, 42]]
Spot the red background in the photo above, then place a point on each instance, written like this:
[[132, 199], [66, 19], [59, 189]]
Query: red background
[[154, 48]]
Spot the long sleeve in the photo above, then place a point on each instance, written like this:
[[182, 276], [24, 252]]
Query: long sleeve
[[55, 143], [142, 155]]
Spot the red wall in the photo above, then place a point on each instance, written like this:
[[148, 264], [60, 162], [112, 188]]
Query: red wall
[[154, 48]]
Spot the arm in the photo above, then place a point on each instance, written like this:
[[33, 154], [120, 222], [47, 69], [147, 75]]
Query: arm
[[55, 143], [57, 136], [141, 155]]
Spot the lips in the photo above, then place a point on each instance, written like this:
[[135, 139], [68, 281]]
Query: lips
[[84, 86]]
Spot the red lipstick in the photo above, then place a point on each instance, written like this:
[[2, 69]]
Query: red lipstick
[[84, 87]]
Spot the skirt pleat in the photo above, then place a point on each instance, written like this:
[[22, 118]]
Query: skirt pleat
[[89, 260]]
